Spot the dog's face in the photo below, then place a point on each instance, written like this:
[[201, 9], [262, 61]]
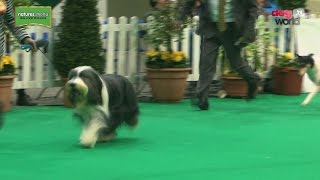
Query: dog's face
[[306, 61], [84, 86]]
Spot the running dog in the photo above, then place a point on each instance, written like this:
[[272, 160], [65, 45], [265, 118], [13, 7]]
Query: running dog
[[102, 103], [312, 70]]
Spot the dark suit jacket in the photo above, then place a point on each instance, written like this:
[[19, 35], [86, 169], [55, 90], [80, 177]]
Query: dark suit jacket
[[245, 12]]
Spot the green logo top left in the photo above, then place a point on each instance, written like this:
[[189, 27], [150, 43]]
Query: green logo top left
[[33, 15]]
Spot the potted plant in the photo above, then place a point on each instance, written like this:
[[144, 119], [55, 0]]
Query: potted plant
[[235, 85], [286, 79], [79, 40], [7, 75], [167, 70]]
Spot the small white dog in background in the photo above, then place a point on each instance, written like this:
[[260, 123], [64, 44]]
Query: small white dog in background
[[313, 71]]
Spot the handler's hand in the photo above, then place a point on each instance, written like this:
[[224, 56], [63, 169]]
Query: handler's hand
[[32, 42]]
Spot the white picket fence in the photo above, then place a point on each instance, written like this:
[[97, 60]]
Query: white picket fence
[[124, 51]]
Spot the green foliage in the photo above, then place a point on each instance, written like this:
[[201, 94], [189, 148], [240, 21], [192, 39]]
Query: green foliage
[[254, 52], [8, 69], [158, 64], [287, 60], [79, 41], [292, 4], [163, 26], [262, 47]]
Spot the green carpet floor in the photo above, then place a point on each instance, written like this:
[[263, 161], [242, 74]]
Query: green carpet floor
[[271, 138]]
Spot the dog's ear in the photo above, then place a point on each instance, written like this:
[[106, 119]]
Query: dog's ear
[[72, 73], [94, 96], [310, 55], [311, 60]]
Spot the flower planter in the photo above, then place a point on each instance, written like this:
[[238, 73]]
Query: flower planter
[[6, 82], [168, 84], [235, 86], [286, 81]]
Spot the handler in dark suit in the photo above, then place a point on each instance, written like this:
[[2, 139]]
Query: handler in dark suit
[[230, 23]]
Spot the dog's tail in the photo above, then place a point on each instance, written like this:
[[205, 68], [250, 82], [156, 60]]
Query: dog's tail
[[1, 115]]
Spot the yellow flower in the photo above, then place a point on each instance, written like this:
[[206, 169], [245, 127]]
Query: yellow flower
[[6, 60], [288, 56], [152, 53], [165, 55], [1, 65], [180, 53], [178, 56]]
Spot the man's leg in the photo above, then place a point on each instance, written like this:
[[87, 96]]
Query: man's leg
[[207, 67], [238, 63]]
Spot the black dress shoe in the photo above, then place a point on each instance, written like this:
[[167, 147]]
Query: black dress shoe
[[25, 100], [252, 89], [204, 105], [201, 103]]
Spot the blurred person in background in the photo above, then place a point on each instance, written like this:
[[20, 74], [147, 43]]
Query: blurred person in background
[[155, 6], [7, 19], [227, 23], [270, 5]]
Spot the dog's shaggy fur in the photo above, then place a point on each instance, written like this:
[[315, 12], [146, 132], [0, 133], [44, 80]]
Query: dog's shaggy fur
[[313, 72], [102, 103]]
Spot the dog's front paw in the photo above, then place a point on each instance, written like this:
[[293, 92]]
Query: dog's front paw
[[303, 104], [88, 141]]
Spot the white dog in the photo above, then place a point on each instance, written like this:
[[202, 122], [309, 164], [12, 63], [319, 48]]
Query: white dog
[[313, 72]]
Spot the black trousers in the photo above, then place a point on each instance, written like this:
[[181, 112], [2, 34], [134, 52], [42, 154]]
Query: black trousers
[[209, 54]]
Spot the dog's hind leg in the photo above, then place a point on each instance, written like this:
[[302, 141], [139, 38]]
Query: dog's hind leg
[[106, 134], [310, 96], [106, 137]]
